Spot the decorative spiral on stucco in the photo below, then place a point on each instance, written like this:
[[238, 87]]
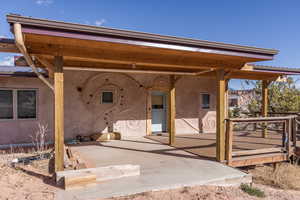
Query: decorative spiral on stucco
[[209, 122]]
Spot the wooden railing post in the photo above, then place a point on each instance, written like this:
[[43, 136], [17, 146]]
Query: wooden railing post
[[284, 134], [294, 132], [229, 140], [289, 137]]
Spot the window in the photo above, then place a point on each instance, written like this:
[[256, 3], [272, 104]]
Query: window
[[205, 101], [157, 102], [233, 102], [6, 104], [107, 97], [26, 104], [18, 104]]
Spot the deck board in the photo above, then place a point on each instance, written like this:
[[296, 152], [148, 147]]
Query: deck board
[[204, 145]]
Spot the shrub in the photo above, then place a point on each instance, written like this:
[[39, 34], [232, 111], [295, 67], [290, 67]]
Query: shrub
[[252, 191]]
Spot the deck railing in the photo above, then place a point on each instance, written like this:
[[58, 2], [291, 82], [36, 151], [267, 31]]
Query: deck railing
[[288, 137]]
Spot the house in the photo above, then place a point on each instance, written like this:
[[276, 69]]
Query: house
[[240, 99], [108, 80]]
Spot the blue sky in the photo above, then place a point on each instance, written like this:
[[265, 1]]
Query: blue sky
[[260, 23]]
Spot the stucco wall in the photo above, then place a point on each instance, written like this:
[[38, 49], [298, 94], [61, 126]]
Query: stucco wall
[[84, 114], [22, 130]]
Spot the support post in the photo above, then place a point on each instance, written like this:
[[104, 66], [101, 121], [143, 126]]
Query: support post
[[172, 110], [226, 99], [220, 115], [59, 112], [148, 114], [264, 111]]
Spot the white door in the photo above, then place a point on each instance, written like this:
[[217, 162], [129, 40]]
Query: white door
[[159, 109]]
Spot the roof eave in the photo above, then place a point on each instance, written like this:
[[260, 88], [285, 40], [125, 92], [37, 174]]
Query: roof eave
[[42, 23]]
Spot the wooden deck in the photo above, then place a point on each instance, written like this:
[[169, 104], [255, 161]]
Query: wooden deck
[[204, 145]]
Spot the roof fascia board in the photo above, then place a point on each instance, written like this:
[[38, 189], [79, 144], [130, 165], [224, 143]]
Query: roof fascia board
[[135, 35]]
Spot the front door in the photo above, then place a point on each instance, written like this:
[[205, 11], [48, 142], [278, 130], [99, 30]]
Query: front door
[[159, 108]]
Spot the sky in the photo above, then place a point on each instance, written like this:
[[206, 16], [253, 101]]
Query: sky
[[260, 23]]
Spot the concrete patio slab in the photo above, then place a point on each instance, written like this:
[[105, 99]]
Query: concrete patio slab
[[162, 167]]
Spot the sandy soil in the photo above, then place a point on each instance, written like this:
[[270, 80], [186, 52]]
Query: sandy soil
[[25, 182], [214, 193], [34, 182]]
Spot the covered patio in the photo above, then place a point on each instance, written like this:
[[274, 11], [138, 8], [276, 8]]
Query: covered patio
[[60, 47], [162, 168], [248, 147]]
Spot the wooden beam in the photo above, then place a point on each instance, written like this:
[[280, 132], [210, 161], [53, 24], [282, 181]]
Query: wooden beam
[[59, 112], [48, 65], [257, 151], [129, 71], [126, 57], [172, 110], [8, 45], [258, 159], [220, 101], [264, 103], [80, 180]]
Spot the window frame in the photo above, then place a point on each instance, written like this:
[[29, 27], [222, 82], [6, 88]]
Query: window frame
[[202, 103], [113, 97], [15, 104]]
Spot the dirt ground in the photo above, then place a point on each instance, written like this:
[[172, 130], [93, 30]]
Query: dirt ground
[[25, 182], [214, 193], [34, 182]]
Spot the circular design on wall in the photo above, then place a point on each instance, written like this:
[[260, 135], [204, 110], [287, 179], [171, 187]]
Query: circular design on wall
[[121, 85], [209, 122], [133, 124], [128, 97]]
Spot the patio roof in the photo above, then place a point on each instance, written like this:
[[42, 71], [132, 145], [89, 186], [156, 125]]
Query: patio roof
[[86, 47]]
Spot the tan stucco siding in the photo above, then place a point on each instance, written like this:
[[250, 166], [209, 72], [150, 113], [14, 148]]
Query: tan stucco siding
[[84, 113], [21, 130]]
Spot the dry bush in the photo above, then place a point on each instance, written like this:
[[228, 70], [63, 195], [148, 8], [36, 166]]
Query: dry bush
[[285, 176], [39, 138]]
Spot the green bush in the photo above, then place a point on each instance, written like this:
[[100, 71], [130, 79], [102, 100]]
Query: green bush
[[252, 191]]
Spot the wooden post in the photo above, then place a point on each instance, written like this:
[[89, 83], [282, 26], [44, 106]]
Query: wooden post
[[284, 134], [294, 132], [59, 112], [221, 85], [226, 99], [172, 110], [264, 111], [229, 140], [289, 137], [149, 114]]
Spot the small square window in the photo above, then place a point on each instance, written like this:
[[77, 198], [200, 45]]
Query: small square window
[[233, 102], [205, 101], [107, 97]]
